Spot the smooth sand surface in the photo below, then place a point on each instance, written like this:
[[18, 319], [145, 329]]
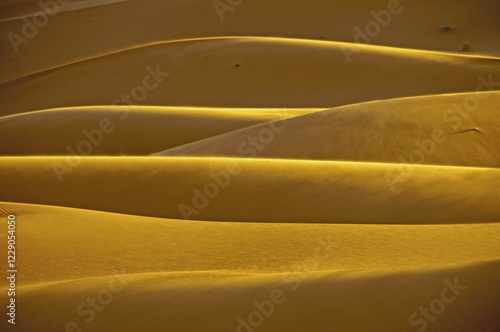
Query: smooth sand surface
[[279, 166], [185, 270], [193, 272], [264, 190], [418, 25], [421, 130], [132, 130], [249, 72]]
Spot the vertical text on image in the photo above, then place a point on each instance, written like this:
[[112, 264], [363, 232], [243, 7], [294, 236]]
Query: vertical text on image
[[11, 268]]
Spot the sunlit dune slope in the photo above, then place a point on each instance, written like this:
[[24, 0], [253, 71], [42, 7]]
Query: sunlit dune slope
[[248, 72], [458, 129], [220, 301], [113, 130], [256, 190], [179, 167], [152, 245], [203, 276], [417, 24]]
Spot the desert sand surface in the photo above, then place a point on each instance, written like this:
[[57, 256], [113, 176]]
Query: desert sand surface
[[166, 127], [382, 131], [247, 166], [208, 275]]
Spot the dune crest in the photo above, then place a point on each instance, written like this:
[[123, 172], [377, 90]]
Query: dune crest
[[435, 130], [250, 166], [232, 189]]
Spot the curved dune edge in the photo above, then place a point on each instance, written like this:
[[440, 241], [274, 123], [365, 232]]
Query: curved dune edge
[[386, 300], [174, 21], [347, 46], [124, 130], [235, 73], [435, 130], [181, 248], [353, 215], [262, 190]]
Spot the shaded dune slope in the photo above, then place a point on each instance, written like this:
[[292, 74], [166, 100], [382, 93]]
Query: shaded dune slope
[[386, 286], [192, 247], [384, 301], [179, 19], [130, 130], [258, 190], [458, 129], [208, 69], [266, 149]]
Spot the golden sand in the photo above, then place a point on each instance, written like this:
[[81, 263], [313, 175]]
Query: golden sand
[[247, 166]]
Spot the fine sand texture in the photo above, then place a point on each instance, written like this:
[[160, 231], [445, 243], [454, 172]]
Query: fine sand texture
[[249, 166]]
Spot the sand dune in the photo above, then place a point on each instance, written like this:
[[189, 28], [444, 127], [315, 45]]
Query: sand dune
[[177, 273], [418, 25], [208, 69], [129, 130], [385, 301], [179, 246], [241, 189], [457, 129], [247, 166], [65, 7]]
